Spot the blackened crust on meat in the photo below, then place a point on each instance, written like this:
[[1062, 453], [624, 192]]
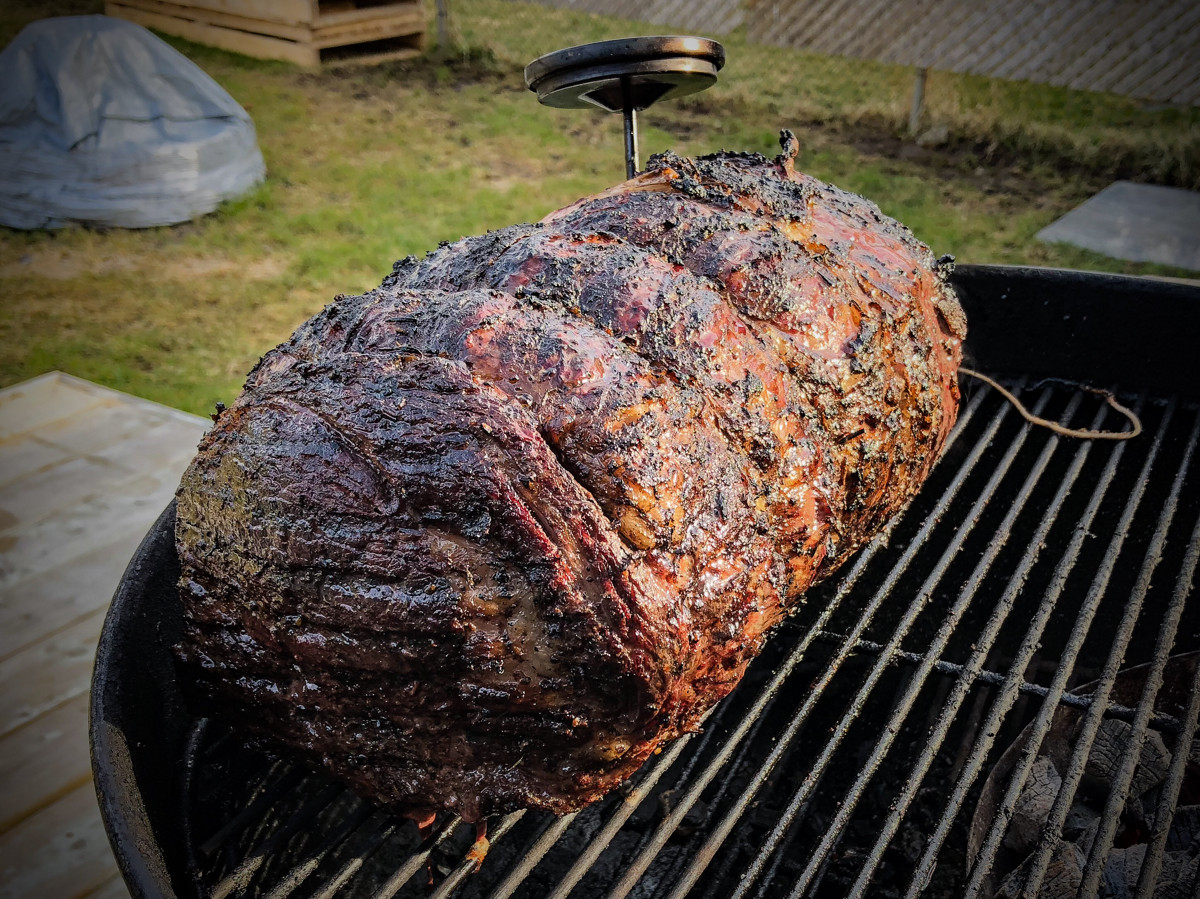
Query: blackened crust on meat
[[488, 536]]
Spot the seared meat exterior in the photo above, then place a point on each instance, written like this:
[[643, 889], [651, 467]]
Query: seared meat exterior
[[487, 536]]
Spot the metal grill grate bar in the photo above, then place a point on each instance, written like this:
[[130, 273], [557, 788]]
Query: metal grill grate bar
[[1165, 812], [1008, 694], [469, 864], [746, 746], [352, 865], [299, 873], [1091, 719], [924, 594], [280, 776], [706, 852], [241, 877], [972, 673], [348, 841], [800, 798], [671, 822], [1159, 721], [416, 861], [1162, 649], [627, 807], [533, 855], [1067, 659]]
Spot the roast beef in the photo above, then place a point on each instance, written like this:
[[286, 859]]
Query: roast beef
[[487, 536]]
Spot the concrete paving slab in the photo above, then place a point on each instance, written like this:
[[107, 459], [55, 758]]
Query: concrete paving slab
[[1138, 222]]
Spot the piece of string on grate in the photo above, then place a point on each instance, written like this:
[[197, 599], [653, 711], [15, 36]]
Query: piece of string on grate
[[1055, 426]]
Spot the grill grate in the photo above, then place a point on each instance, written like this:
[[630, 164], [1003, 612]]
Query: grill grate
[[852, 758]]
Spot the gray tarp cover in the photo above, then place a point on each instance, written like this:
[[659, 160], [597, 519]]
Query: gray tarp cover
[[102, 123]]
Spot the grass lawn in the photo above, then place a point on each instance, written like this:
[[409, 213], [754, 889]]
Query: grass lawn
[[366, 165]]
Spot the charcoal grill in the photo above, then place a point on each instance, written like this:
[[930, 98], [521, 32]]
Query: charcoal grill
[[851, 759]]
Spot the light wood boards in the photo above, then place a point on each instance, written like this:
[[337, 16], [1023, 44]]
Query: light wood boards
[[293, 30], [84, 471]]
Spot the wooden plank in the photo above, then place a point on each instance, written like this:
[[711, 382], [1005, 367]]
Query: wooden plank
[[47, 674], [62, 851], [25, 455], [408, 47], [409, 22], [43, 761], [283, 12], [37, 402], [255, 45], [74, 588], [108, 394], [367, 13], [96, 450], [96, 431], [34, 499], [34, 550], [157, 447], [73, 507], [288, 31]]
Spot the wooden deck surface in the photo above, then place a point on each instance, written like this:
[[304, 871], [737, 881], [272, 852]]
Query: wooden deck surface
[[84, 471]]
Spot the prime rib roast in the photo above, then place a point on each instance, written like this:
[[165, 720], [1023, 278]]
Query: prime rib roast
[[490, 534]]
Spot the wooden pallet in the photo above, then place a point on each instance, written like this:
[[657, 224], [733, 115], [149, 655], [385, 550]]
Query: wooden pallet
[[306, 32]]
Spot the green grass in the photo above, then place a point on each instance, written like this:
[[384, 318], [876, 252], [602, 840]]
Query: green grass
[[367, 165]]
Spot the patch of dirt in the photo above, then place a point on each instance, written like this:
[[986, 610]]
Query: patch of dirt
[[63, 265], [431, 72], [982, 165]]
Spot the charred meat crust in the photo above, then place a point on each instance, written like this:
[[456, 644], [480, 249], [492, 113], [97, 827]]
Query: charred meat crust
[[487, 536]]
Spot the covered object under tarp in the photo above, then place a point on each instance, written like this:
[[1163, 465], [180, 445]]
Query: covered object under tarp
[[102, 123]]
